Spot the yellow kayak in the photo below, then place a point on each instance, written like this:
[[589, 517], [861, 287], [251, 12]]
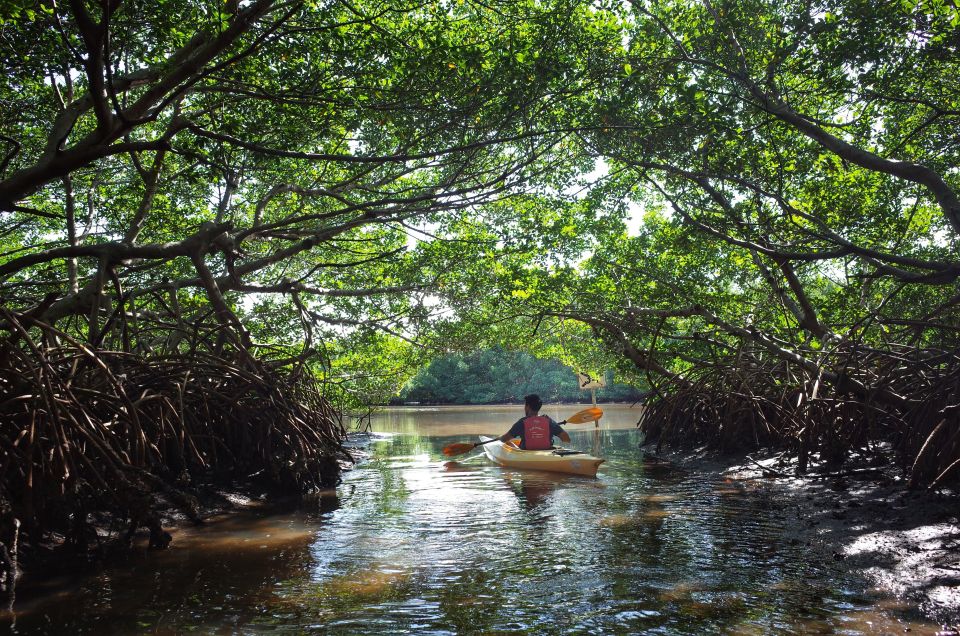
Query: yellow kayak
[[556, 460]]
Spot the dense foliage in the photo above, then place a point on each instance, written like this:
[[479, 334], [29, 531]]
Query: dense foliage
[[493, 376], [749, 206], [248, 189], [793, 277]]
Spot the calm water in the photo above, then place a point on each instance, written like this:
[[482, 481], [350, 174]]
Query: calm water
[[412, 543]]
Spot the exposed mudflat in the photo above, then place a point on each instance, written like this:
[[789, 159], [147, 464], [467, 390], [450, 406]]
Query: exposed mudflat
[[905, 542]]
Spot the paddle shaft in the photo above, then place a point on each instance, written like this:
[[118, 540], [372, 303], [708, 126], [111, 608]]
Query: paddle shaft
[[495, 439]]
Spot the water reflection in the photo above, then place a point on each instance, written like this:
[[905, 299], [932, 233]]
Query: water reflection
[[532, 491], [215, 579], [415, 543]]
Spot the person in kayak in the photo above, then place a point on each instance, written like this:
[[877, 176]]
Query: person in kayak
[[536, 432]]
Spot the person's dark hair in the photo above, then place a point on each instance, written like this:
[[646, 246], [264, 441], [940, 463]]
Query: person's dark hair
[[533, 401]]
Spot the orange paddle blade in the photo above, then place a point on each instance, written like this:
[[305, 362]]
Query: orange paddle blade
[[586, 415], [457, 449]]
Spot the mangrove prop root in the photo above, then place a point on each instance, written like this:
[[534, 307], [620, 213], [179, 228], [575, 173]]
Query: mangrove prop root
[[747, 403], [9, 569], [88, 431]]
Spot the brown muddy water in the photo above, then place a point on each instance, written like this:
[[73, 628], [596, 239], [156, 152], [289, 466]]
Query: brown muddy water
[[412, 543]]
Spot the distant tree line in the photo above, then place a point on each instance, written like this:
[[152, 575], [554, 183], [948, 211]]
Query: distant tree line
[[497, 376]]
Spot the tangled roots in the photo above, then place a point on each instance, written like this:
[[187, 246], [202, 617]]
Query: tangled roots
[[756, 404], [90, 431]]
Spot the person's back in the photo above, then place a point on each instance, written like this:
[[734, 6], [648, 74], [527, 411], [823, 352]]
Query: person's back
[[536, 432]]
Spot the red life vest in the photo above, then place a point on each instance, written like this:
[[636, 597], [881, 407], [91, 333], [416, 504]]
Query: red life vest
[[536, 433]]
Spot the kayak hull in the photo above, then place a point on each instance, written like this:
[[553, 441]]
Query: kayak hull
[[513, 457]]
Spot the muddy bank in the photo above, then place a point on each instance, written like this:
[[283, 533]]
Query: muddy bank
[[51, 558], [50, 563], [905, 543], [45, 555], [108, 540]]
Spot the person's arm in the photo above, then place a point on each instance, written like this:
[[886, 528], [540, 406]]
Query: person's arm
[[513, 432], [557, 431]]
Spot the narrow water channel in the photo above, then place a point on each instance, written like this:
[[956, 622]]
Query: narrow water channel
[[412, 543]]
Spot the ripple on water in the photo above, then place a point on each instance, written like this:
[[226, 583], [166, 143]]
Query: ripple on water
[[416, 543]]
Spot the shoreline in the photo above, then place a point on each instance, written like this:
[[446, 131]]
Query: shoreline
[[904, 543], [53, 559]]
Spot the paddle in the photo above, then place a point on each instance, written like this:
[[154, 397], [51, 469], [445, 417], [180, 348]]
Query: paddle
[[459, 448], [586, 415]]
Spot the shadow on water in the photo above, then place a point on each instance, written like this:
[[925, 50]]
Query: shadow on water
[[416, 543], [216, 578]]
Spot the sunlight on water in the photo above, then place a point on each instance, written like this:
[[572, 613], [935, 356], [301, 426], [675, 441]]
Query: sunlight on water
[[661, 498], [413, 542]]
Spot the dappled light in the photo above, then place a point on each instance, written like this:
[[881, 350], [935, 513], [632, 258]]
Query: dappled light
[[233, 232]]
